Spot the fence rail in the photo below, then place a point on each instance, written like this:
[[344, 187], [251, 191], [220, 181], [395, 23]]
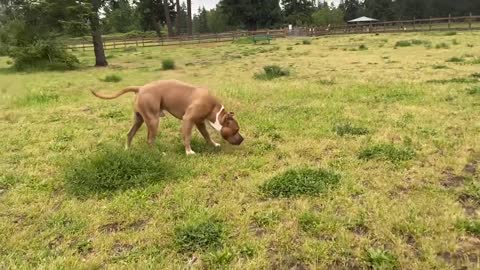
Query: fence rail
[[415, 25], [109, 44]]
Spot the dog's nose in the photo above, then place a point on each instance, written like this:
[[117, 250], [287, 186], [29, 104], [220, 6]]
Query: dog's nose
[[240, 140]]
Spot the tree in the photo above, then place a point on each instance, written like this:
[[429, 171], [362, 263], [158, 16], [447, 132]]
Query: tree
[[379, 9], [100, 59], [352, 9], [217, 21], [328, 16], [168, 19], [251, 14], [177, 14], [298, 11], [200, 21], [189, 17], [120, 17], [152, 14]]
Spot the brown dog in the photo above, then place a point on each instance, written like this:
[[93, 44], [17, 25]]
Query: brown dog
[[193, 105]]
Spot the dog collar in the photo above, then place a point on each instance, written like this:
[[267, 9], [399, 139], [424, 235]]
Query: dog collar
[[217, 126]]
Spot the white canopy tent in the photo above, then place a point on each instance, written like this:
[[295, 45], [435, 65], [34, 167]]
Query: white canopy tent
[[363, 19]]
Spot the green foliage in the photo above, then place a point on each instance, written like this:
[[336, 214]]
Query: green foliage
[[403, 43], [199, 235], [439, 67], [408, 43], [381, 259], [43, 55], [121, 17], [470, 226], [300, 182], [272, 72], [450, 33], [328, 16], [243, 40], [220, 259], [168, 64], [110, 170], [306, 42], [453, 80], [387, 152], [349, 129], [362, 47], [475, 75], [112, 78]]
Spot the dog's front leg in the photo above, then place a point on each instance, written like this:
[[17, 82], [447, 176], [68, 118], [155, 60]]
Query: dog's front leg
[[203, 130], [187, 127]]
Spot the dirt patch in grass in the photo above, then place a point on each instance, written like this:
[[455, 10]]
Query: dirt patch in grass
[[300, 182], [450, 179], [465, 254]]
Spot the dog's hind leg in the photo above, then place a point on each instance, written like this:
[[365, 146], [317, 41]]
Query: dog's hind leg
[[152, 124], [137, 123]]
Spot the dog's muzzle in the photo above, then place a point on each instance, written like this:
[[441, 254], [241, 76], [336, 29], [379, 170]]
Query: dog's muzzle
[[236, 139]]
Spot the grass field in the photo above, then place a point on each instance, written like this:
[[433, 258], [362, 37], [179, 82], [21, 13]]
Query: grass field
[[364, 156]]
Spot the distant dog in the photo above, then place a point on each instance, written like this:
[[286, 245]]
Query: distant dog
[[193, 105]]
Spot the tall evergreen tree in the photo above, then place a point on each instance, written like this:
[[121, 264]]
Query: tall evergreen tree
[[298, 11], [252, 14]]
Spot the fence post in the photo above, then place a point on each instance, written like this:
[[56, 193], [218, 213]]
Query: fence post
[[83, 46], [125, 43], [414, 23], [114, 45], [143, 41], [430, 24], [136, 42], [449, 20]]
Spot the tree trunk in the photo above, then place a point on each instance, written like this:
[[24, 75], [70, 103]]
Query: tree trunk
[[166, 9], [100, 59], [177, 18], [189, 17], [157, 27]]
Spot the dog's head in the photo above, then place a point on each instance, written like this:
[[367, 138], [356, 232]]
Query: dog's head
[[230, 129]]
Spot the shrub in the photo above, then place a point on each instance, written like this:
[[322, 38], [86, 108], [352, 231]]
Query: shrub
[[272, 72], [455, 42], [381, 259], [363, 47], [9, 62], [476, 75], [386, 152], [450, 33], [110, 170], [442, 45], [168, 64], [300, 182], [289, 48], [199, 235], [43, 55], [348, 129], [306, 42], [112, 78]]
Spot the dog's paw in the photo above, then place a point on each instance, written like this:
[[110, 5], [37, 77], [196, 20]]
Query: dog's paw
[[216, 144], [190, 153]]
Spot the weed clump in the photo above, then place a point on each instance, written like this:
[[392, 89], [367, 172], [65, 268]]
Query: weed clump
[[272, 72], [450, 33], [442, 45], [348, 129], [474, 90], [110, 170], [265, 219], [403, 43], [168, 64], [306, 42], [381, 259], [469, 226], [439, 67], [456, 60], [300, 182], [363, 47], [308, 222], [112, 78], [199, 235], [387, 152]]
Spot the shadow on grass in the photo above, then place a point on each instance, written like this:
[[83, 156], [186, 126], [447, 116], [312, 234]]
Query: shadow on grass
[[112, 169]]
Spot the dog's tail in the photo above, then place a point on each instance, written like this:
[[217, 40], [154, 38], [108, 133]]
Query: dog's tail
[[131, 89]]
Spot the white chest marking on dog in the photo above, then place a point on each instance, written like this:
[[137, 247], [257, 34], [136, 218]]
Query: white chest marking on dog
[[217, 126]]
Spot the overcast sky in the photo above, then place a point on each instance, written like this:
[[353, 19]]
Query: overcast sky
[[209, 4]]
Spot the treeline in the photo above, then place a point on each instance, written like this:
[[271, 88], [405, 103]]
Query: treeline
[[31, 31]]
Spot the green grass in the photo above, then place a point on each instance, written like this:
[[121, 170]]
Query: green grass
[[456, 60], [470, 226], [72, 198], [300, 182], [387, 152], [306, 42], [442, 45], [272, 72], [112, 78]]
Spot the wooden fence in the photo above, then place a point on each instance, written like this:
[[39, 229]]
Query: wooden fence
[[109, 44], [432, 24], [415, 25]]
